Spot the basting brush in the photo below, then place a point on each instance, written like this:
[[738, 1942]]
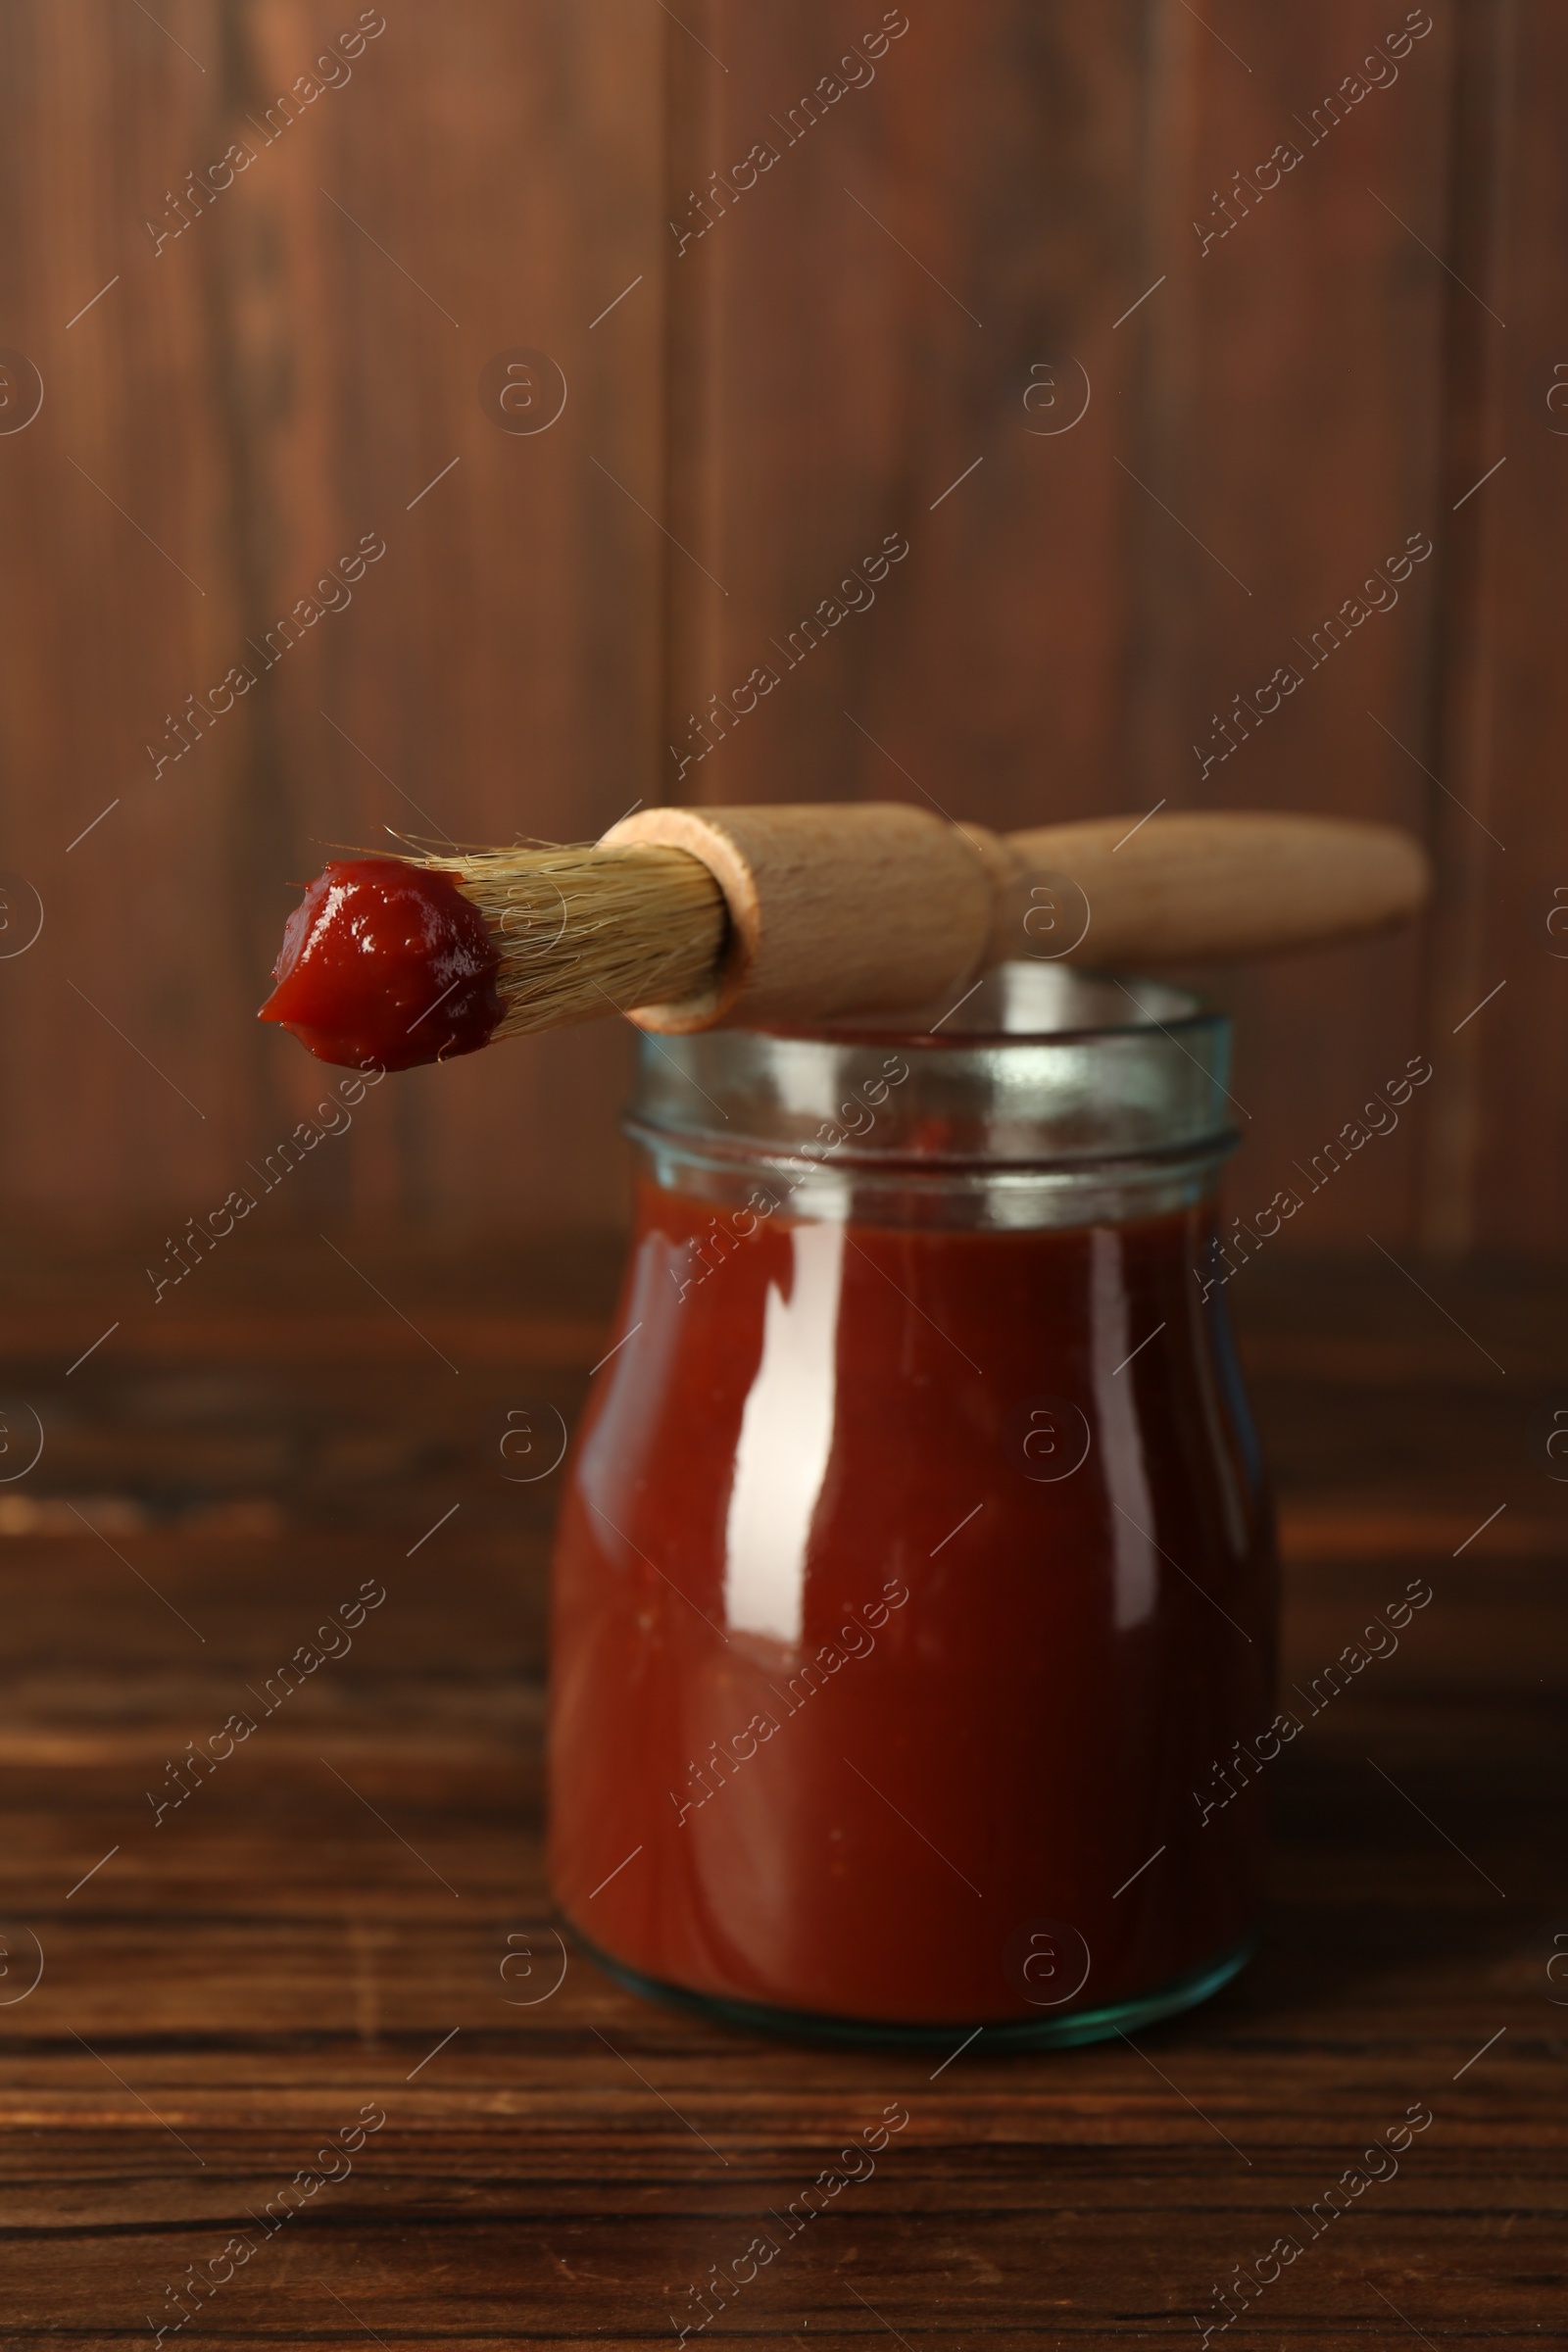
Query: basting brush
[[689, 918]]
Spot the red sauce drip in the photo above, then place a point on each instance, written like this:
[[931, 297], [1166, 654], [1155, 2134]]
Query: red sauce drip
[[386, 962], [1038, 1710]]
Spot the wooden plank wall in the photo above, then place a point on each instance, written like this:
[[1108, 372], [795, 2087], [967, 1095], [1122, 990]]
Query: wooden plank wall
[[886, 334], [1520, 1125], [292, 371]]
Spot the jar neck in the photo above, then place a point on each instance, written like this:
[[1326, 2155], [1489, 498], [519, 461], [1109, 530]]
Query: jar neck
[[1116, 1113]]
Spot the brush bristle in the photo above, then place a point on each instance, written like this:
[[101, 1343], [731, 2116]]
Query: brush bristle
[[585, 931]]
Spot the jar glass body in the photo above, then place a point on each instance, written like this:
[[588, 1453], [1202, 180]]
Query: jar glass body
[[914, 1583]]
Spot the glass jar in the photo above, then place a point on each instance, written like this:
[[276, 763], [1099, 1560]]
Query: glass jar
[[915, 1582]]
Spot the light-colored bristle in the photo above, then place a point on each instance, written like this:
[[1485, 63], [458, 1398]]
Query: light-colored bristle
[[585, 931]]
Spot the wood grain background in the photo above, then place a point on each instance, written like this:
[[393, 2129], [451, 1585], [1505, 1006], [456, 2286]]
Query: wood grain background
[[862, 343]]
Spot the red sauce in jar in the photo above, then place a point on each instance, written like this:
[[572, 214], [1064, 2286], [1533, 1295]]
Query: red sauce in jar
[[385, 961], [912, 1589]]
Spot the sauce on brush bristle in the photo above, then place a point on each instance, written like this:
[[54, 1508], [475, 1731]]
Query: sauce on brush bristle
[[403, 960], [386, 961]]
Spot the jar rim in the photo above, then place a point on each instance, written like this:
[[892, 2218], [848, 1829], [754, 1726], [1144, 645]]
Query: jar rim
[[1129, 1090], [706, 1148], [1012, 1001]]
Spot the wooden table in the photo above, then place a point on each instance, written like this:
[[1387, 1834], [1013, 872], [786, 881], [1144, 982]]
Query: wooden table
[[349, 1914]]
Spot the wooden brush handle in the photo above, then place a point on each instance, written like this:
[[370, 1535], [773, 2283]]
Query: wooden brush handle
[[861, 907], [1210, 885], [867, 907]]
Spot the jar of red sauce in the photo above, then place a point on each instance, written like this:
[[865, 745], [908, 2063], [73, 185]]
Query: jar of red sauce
[[915, 1579]]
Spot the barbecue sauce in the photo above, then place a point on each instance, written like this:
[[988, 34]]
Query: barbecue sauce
[[385, 961], [914, 1592]]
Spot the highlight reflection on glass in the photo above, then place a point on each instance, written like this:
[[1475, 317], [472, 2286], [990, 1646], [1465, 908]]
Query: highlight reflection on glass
[[785, 1442]]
